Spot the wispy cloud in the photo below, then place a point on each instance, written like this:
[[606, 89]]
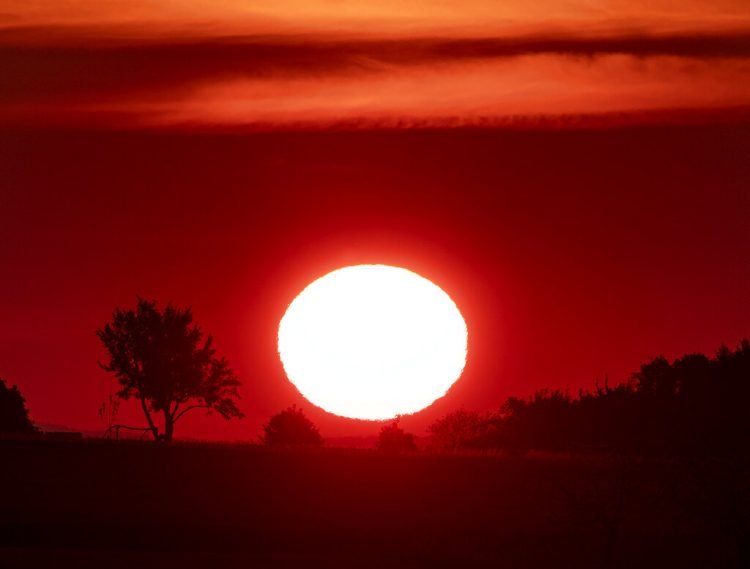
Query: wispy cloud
[[91, 70]]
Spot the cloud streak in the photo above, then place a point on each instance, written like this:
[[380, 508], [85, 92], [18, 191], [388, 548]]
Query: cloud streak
[[334, 78]]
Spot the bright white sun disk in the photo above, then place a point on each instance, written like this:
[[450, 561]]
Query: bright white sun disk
[[372, 342]]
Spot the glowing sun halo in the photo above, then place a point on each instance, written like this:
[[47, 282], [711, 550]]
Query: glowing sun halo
[[372, 342]]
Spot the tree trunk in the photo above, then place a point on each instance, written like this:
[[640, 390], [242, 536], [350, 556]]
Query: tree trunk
[[154, 429], [168, 426]]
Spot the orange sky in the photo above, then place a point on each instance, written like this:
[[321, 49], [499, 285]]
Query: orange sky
[[381, 16], [165, 64]]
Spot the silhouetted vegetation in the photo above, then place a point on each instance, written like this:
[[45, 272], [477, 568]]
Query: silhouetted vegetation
[[393, 438], [695, 405], [326, 508], [161, 359], [458, 430], [291, 428], [14, 417]]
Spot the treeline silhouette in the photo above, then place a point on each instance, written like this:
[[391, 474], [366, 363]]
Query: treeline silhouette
[[14, 416], [695, 405]]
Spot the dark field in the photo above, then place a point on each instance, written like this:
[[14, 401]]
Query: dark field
[[98, 504]]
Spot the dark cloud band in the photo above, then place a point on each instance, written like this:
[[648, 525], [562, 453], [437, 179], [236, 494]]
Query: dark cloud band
[[74, 72]]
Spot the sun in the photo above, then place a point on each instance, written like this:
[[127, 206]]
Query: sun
[[373, 342]]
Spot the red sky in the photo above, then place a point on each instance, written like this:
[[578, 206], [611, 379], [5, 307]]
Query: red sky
[[574, 176]]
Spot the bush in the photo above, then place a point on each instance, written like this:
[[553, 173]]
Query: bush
[[291, 428], [393, 438]]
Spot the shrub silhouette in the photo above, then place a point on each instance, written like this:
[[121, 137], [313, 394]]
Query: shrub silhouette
[[14, 417], [460, 429], [291, 427], [161, 359], [393, 438]]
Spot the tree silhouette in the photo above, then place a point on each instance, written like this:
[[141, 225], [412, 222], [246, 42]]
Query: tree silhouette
[[457, 430], [656, 378], [393, 438], [160, 358], [14, 417], [694, 406], [291, 427]]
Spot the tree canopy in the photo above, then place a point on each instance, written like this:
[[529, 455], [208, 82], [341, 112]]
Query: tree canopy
[[161, 358], [694, 405], [14, 417], [460, 429], [291, 427], [393, 438]]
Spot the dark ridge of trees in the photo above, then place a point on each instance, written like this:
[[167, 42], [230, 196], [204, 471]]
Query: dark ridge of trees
[[458, 430], [291, 428], [14, 416], [160, 358], [695, 405], [393, 438]]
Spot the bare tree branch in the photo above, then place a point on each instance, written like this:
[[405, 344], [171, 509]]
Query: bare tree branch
[[190, 408]]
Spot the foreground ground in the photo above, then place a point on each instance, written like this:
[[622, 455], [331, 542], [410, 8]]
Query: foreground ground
[[111, 505]]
